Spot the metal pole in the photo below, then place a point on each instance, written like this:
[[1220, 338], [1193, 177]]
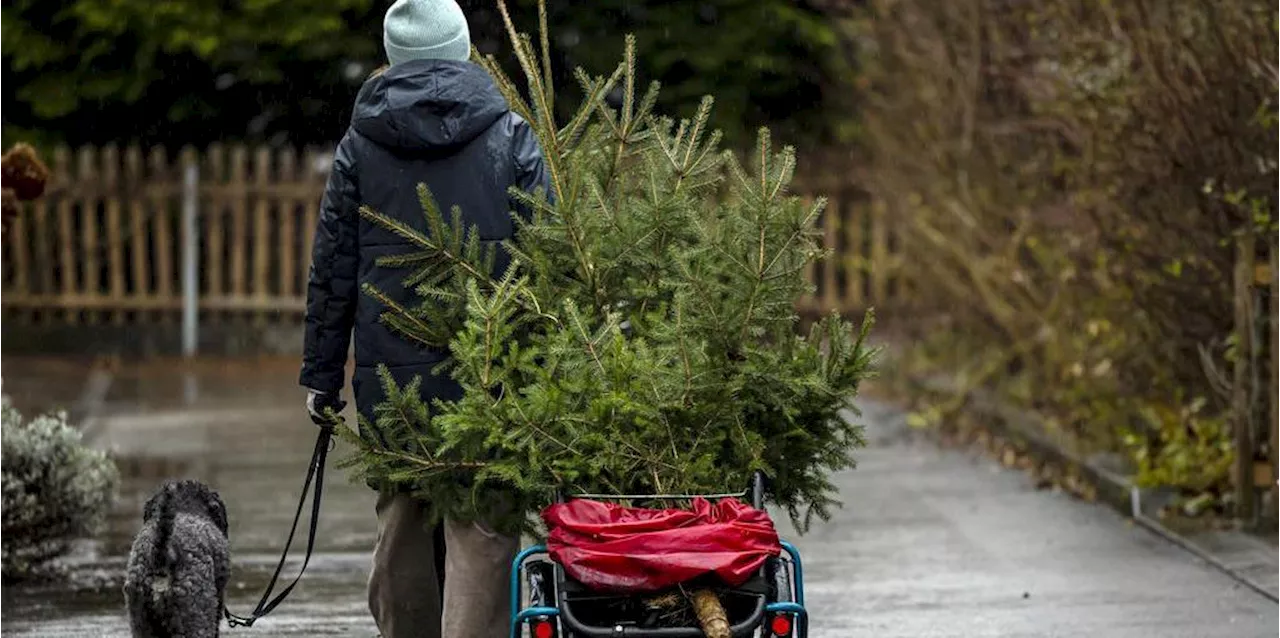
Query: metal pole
[[190, 256]]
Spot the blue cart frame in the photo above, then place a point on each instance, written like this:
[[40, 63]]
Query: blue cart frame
[[784, 595]]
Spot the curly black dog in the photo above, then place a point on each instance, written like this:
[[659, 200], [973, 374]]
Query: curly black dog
[[179, 564]]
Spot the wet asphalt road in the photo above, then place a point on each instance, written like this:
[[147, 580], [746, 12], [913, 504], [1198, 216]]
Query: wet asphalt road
[[935, 543], [930, 543]]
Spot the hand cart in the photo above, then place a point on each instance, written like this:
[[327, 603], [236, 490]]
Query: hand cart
[[769, 604]]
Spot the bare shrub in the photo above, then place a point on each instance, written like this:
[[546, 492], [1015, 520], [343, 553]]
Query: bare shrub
[[1076, 173]]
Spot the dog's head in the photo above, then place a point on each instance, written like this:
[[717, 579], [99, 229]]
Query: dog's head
[[191, 497]]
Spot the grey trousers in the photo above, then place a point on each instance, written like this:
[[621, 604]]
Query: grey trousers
[[404, 585]]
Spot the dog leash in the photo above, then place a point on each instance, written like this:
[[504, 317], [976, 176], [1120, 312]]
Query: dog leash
[[314, 472]]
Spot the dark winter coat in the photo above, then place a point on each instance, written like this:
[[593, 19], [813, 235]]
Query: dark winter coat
[[434, 121]]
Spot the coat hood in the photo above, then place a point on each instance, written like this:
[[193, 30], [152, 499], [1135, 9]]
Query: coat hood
[[427, 105]]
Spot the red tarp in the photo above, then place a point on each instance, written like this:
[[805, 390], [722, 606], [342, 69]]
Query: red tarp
[[608, 547]]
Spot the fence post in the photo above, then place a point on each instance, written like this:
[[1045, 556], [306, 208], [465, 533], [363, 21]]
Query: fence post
[[190, 254], [1242, 386], [1272, 379]]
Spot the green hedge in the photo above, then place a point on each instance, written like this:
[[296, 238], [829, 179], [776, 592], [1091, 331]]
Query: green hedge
[[286, 71]]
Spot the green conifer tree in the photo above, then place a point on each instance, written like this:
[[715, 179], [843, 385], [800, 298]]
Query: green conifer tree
[[643, 338]]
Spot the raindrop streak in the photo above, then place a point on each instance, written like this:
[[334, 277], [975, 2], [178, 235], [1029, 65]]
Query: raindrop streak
[[354, 71]]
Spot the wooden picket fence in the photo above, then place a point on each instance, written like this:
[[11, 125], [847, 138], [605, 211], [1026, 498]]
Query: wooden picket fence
[[105, 243]]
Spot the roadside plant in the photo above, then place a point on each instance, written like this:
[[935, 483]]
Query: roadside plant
[[55, 490]]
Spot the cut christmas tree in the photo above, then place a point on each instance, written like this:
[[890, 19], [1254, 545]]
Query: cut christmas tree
[[644, 338]]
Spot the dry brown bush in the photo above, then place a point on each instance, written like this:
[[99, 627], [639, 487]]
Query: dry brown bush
[[22, 178], [1072, 174]]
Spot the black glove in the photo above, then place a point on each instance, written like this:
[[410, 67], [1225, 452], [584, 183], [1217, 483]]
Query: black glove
[[319, 404]]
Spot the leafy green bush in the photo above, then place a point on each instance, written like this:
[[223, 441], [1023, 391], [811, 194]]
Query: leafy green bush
[[1194, 452], [776, 63], [175, 73], [55, 490]]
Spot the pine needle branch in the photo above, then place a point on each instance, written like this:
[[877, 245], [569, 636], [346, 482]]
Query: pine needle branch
[[399, 311]]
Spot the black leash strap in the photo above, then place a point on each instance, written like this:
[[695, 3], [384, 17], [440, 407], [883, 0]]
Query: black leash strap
[[314, 472]]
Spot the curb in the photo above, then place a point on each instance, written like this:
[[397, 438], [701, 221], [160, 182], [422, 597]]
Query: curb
[[1113, 488]]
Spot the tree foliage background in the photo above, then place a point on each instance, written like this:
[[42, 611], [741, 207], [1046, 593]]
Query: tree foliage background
[[286, 71], [82, 71]]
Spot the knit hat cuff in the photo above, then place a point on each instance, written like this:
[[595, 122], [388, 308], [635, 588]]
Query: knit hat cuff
[[459, 48]]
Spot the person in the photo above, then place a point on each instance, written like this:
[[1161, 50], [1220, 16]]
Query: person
[[431, 116]]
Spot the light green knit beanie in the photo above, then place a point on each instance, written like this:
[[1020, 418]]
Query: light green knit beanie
[[425, 30]]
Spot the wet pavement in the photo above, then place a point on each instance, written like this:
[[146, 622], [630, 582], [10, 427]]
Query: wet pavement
[[240, 427], [935, 543], [930, 543], [37, 384]]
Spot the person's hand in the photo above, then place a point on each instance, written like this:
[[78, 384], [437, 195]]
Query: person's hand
[[319, 404]]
